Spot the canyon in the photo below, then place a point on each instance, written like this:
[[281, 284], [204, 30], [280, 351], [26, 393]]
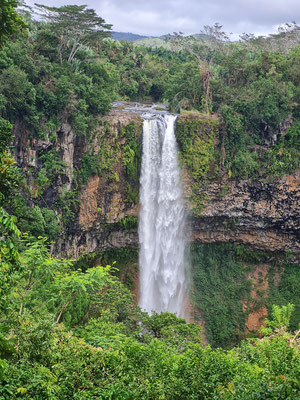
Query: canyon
[[262, 214]]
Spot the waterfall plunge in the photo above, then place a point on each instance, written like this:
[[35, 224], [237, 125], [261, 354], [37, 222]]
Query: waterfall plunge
[[162, 220]]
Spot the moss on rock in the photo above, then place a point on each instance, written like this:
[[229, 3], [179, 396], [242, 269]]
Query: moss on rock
[[198, 137]]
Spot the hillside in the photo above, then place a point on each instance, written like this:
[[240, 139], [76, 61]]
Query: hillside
[[130, 37]]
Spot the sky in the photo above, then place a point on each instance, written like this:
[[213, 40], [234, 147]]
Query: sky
[[158, 17]]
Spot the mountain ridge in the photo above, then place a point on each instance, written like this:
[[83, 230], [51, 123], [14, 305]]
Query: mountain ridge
[[128, 36]]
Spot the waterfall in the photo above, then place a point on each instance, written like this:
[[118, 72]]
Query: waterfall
[[162, 220]]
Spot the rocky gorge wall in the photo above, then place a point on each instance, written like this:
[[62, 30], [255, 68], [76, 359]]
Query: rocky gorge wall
[[261, 215], [93, 190], [96, 179], [108, 203], [244, 234]]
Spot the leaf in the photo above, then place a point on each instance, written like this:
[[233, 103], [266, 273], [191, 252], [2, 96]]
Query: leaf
[[21, 390]]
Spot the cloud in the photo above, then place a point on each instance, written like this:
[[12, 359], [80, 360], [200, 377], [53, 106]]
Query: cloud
[[158, 17], [162, 16]]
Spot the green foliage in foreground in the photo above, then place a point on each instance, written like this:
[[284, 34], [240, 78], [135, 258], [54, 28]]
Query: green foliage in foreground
[[66, 334]]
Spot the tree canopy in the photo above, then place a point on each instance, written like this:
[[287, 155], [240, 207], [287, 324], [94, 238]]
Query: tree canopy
[[10, 20], [75, 27]]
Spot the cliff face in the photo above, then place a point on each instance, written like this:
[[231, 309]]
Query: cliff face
[[96, 181], [261, 215], [108, 202], [92, 184]]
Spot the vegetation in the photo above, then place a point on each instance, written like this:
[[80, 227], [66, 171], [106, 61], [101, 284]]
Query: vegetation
[[125, 265], [131, 161], [128, 222], [222, 288], [255, 90], [72, 330], [72, 334], [10, 20], [9, 173], [74, 27], [196, 138], [35, 220]]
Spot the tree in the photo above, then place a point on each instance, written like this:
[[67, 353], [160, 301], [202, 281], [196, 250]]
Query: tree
[[10, 20], [9, 173], [201, 46], [287, 37], [75, 27]]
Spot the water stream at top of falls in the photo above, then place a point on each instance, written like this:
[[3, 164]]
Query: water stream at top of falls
[[162, 220]]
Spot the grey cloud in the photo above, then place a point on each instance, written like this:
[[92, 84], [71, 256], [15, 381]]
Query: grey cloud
[[156, 17]]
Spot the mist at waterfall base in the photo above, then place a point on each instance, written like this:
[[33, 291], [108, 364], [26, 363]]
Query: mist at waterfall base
[[163, 277]]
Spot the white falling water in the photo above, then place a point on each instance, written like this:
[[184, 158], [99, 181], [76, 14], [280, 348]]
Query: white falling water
[[162, 220]]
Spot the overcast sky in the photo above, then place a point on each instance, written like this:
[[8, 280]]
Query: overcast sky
[[157, 17]]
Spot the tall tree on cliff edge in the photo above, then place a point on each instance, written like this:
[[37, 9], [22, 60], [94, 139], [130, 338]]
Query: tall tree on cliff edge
[[75, 27], [10, 20]]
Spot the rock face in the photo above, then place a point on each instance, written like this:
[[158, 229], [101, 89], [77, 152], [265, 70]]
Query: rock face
[[97, 239], [261, 215], [104, 209], [110, 192], [66, 147]]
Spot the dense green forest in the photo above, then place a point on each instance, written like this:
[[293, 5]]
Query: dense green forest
[[70, 331]]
